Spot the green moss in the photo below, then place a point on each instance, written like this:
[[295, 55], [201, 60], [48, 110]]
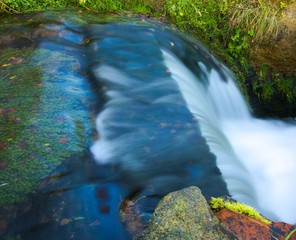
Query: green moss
[[42, 122], [219, 203]]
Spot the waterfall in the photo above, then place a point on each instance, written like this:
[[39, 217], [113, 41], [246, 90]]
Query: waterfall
[[173, 117], [257, 158]]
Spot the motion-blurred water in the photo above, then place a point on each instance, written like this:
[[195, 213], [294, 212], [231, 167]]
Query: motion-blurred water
[[167, 115]]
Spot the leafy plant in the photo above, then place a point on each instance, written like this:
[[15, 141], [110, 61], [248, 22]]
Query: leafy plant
[[268, 84], [202, 16], [260, 16], [286, 86]]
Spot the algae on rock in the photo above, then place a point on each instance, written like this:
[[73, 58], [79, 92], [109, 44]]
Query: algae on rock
[[42, 117]]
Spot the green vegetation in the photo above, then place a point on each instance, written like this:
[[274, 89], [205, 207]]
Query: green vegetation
[[41, 124], [269, 84], [230, 28], [259, 18], [219, 203], [102, 6]]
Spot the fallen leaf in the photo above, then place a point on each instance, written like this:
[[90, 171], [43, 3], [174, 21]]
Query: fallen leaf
[[63, 140], [102, 193], [95, 223], [14, 60], [65, 221], [3, 225], [6, 64], [104, 209]]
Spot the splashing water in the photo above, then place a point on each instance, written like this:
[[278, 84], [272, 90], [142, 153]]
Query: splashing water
[[257, 158], [169, 116], [162, 82]]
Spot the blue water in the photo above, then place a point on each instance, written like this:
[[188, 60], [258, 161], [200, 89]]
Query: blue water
[[165, 115]]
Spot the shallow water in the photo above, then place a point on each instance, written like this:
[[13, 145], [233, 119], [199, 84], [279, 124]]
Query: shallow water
[[102, 116], [51, 185]]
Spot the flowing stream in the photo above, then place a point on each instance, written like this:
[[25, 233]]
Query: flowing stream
[[126, 110], [256, 157]]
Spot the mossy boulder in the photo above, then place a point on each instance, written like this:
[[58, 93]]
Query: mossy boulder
[[184, 214]]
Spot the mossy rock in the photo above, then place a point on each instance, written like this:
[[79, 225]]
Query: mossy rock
[[45, 103], [184, 214]]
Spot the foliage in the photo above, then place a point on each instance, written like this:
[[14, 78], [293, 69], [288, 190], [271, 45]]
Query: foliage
[[102, 6], [136, 6], [219, 203], [269, 84], [204, 19], [230, 28], [34, 5], [259, 16]]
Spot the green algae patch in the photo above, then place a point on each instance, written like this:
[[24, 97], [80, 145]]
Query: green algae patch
[[219, 203], [44, 109]]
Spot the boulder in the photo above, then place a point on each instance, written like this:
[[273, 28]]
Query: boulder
[[184, 214]]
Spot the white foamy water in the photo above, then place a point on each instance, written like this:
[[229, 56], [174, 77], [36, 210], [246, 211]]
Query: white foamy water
[[257, 158]]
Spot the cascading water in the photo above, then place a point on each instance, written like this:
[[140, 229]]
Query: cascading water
[[256, 157], [168, 116]]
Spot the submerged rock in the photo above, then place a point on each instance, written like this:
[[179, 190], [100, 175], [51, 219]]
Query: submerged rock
[[184, 214]]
